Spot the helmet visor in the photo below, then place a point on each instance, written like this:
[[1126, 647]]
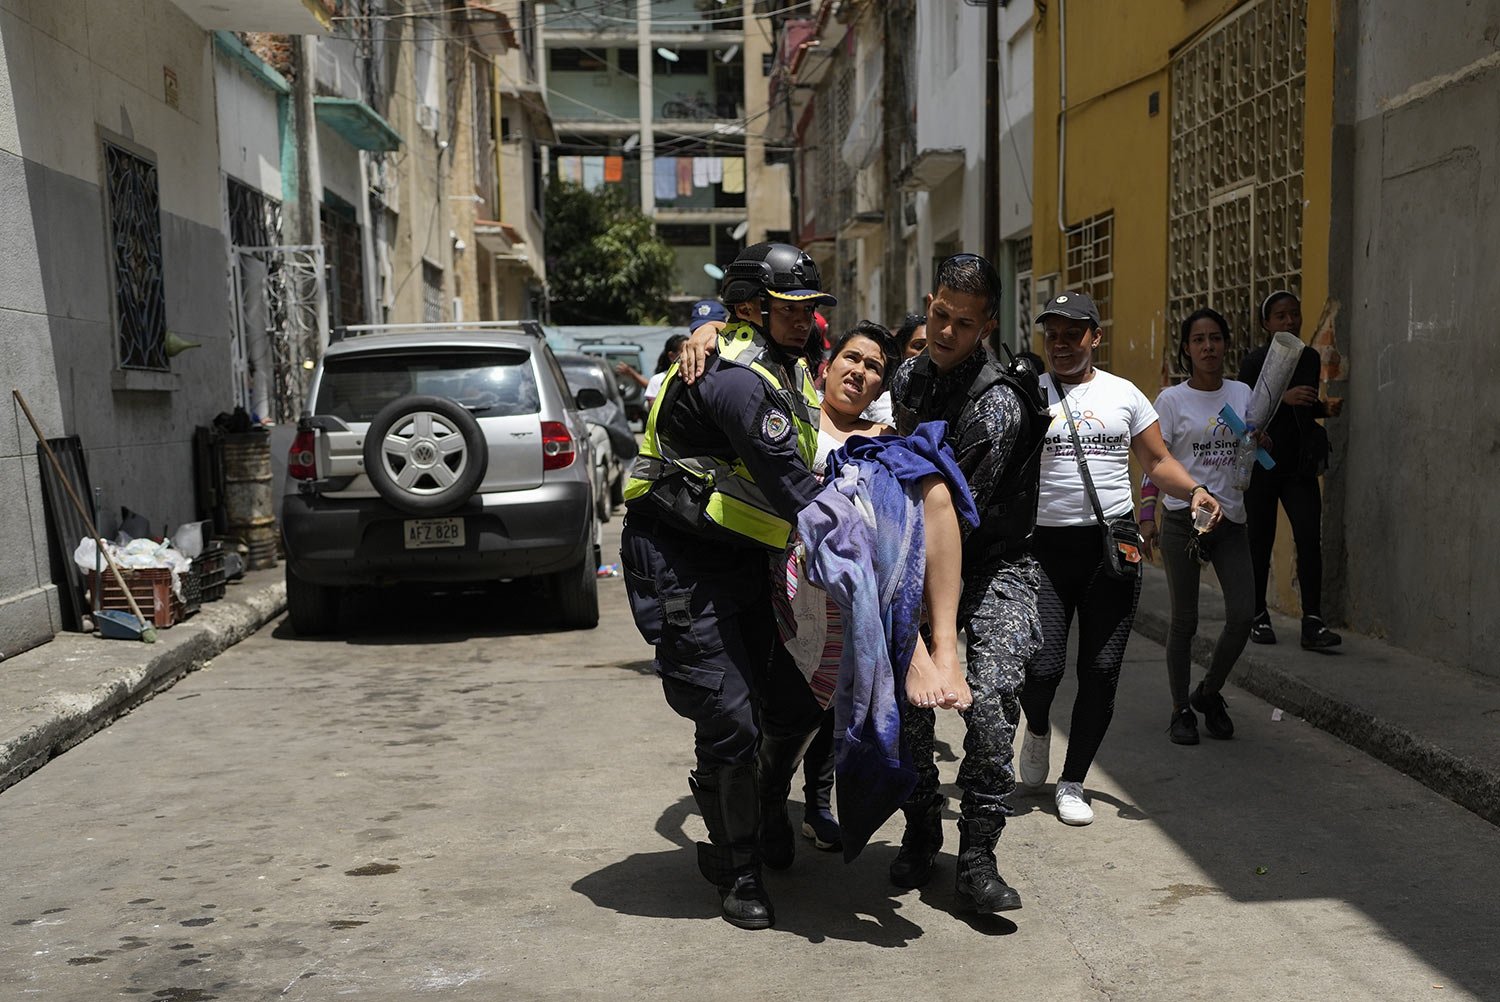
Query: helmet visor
[[803, 296]]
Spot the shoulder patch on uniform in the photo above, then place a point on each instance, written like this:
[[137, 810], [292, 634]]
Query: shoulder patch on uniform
[[775, 425]]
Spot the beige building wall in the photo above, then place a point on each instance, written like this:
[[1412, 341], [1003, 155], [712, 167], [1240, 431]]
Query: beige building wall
[[768, 200]]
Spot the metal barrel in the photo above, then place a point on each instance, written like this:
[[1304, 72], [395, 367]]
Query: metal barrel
[[248, 497]]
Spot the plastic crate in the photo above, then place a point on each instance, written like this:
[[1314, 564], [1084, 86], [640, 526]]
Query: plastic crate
[[208, 569], [152, 590]]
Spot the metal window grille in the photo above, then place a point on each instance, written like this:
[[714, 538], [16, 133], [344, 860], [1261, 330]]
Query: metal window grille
[[346, 265], [1025, 310], [135, 236], [254, 217], [432, 293], [1235, 197], [1090, 268]]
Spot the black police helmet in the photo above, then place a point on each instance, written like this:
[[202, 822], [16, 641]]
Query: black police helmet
[[780, 271]]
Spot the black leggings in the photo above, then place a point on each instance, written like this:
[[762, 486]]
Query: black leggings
[[1073, 580], [1304, 510]]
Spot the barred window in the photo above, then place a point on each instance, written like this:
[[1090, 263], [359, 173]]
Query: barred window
[[432, 293], [134, 201], [1090, 269], [1235, 195]]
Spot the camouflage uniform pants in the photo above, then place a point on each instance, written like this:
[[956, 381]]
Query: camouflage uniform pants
[[1002, 631]]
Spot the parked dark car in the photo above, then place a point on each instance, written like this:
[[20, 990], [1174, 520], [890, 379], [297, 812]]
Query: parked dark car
[[614, 442]]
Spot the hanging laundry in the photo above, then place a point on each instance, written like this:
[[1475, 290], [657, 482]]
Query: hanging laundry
[[593, 173], [700, 172], [715, 170], [665, 183], [684, 177], [734, 175], [570, 169], [614, 170]]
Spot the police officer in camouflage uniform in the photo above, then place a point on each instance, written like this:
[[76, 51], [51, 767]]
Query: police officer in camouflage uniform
[[721, 476], [996, 418]]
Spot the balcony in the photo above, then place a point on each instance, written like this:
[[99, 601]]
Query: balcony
[[288, 17], [595, 18], [675, 17], [683, 200]]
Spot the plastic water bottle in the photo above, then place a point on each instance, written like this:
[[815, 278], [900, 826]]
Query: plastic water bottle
[[1244, 463]]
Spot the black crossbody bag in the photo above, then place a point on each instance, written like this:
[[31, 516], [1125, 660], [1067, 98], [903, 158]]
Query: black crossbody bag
[[1122, 537]]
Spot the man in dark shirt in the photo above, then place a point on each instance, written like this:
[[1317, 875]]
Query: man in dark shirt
[[996, 437]]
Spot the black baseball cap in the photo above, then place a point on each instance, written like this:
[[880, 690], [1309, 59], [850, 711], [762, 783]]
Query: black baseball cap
[[1073, 305]]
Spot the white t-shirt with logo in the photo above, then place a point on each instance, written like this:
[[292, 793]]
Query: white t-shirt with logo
[[1200, 440], [1109, 412]]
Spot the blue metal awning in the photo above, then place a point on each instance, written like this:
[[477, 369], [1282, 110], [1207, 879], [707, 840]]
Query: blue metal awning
[[359, 124]]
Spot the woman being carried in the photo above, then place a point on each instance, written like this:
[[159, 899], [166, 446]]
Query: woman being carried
[[856, 376]]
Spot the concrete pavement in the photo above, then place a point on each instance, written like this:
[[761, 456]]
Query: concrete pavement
[[54, 696], [448, 802], [1436, 723]]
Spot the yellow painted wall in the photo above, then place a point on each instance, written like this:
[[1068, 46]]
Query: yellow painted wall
[[1117, 159]]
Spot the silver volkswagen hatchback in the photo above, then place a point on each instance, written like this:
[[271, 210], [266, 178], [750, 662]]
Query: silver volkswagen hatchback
[[440, 454]]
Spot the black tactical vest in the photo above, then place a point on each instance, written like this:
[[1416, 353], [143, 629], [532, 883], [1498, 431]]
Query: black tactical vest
[[1008, 517]]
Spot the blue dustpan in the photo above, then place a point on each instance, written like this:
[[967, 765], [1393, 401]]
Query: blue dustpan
[[115, 625]]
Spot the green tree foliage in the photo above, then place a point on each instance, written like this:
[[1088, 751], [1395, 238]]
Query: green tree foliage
[[605, 263]]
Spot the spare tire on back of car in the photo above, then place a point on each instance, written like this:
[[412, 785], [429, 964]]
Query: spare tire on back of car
[[425, 455]]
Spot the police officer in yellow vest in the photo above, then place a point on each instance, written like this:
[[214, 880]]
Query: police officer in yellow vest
[[716, 489]]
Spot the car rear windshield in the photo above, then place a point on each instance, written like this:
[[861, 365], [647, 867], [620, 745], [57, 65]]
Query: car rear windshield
[[496, 382], [581, 376]]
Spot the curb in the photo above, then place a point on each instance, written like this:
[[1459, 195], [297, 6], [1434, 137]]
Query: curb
[[1435, 767], [80, 707]]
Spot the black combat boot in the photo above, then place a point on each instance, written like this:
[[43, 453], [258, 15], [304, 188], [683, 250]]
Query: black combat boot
[[920, 843], [778, 760], [980, 888], [730, 860]]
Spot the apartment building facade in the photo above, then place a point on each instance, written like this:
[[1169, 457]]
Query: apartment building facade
[[665, 101]]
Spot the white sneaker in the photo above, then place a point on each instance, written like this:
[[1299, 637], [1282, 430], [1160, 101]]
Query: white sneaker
[[1036, 752], [1072, 809]]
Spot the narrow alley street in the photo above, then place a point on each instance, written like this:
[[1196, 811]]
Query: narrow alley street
[[421, 807]]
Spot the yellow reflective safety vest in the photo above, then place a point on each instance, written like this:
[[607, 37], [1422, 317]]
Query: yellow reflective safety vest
[[715, 494]]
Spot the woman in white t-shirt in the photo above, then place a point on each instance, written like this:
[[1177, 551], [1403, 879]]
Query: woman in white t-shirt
[[1200, 439], [1115, 421]]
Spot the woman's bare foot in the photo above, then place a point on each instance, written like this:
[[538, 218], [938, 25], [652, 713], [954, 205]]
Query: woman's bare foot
[[931, 685], [951, 679]]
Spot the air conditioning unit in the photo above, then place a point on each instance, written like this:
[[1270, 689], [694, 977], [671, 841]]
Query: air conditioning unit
[[429, 117]]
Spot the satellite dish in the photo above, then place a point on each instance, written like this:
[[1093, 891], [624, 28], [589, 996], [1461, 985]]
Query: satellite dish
[[730, 53], [740, 229], [713, 271], [631, 142], [667, 54]]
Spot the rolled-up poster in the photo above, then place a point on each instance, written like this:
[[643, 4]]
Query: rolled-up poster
[[1275, 377], [1265, 397]]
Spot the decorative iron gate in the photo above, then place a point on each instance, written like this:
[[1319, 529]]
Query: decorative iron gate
[[1236, 168], [280, 300]]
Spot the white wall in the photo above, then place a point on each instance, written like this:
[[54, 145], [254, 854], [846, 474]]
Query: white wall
[[950, 113], [82, 64], [249, 133]]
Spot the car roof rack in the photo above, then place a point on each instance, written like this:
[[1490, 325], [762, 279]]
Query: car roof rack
[[532, 327]]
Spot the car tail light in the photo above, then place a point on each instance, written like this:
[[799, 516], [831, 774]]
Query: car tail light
[[558, 448], [302, 460]]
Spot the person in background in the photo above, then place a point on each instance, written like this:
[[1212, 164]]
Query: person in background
[[880, 408], [1200, 439], [1115, 421], [1300, 448]]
